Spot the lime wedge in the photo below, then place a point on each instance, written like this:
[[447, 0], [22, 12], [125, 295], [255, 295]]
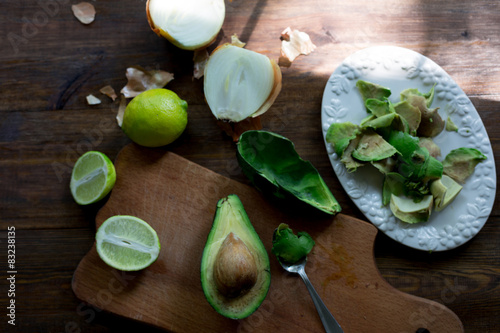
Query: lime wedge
[[92, 178], [127, 243]]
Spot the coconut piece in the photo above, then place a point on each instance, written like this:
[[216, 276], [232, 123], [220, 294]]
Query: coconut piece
[[109, 91], [293, 44], [84, 12], [200, 59], [92, 100], [140, 80]]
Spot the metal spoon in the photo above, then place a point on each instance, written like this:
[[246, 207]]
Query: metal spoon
[[329, 322]]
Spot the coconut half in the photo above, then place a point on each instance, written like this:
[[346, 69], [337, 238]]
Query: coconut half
[[240, 83], [188, 24]]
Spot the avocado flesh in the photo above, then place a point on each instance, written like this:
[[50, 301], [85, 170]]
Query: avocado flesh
[[233, 289]]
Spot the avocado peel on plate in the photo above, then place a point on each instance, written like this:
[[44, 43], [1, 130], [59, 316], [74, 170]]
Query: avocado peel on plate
[[397, 140]]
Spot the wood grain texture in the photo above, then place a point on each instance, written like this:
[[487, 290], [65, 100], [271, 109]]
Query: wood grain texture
[[45, 124], [178, 198]]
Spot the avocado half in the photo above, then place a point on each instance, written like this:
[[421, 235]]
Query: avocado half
[[235, 269]]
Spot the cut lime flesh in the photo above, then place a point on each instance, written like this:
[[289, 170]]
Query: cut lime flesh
[[92, 178], [127, 243]]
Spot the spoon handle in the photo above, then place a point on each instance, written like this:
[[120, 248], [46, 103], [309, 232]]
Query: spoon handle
[[329, 322]]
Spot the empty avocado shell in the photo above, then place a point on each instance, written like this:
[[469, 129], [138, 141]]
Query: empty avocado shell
[[270, 161]]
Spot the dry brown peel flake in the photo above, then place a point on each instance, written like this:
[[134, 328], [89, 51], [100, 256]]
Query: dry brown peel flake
[[108, 91], [92, 100], [236, 41], [235, 130], [200, 59], [293, 44], [121, 110], [84, 12], [140, 80]]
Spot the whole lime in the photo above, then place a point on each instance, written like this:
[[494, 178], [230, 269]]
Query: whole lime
[[155, 118]]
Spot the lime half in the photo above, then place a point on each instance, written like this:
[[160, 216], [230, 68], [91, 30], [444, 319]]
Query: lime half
[[92, 178], [127, 243]]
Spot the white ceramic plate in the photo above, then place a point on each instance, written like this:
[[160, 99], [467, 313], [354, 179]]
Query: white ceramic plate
[[398, 68]]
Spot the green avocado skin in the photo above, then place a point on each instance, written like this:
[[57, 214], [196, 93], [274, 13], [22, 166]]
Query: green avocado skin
[[231, 217], [271, 163]]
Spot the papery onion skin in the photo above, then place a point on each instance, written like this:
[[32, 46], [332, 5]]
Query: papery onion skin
[[199, 35], [240, 83]]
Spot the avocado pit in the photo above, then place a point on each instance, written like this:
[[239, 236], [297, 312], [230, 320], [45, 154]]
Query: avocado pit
[[235, 270]]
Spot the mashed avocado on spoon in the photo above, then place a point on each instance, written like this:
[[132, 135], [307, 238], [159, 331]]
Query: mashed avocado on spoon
[[396, 138], [290, 248]]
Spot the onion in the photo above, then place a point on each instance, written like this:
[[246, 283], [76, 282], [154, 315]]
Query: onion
[[188, 24], [240, 83]]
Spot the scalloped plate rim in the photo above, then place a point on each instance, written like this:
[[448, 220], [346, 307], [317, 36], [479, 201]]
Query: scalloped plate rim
[[403, 68]]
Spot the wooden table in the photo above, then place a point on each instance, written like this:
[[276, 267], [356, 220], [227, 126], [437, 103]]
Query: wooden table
[[50, 62]]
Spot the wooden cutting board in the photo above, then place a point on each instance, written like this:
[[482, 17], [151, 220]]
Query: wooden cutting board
[[178, 198]]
